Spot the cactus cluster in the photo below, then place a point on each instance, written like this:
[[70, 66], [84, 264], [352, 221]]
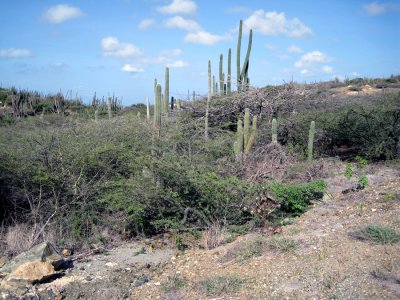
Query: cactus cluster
[[245, 136]]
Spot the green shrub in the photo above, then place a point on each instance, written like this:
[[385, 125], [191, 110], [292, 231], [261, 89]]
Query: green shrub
[[282, 244], [296, 198]]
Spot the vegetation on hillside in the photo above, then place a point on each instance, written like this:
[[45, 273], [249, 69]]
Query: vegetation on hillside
[[74, 179]]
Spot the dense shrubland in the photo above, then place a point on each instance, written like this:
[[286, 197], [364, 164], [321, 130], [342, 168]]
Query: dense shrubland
[[76, 181]]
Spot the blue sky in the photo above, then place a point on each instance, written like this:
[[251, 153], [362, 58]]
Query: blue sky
[[120, 46]]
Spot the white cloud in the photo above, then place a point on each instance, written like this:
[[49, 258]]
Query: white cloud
[[165, 57], [273, 23], [182, 23], [294, 49], [327, 69], [15, 53], [311, 58], [374, 8], [146, 23], [174, 52], [177, 64], [61, 13], [304, 72], [129, 68], [112, 47], [179, 7], [204, 38]]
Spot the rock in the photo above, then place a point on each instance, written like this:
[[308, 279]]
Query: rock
[[44, 252], [30, 267], [3, 261]]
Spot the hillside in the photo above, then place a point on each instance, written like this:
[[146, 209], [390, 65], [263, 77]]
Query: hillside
[[287, 191]]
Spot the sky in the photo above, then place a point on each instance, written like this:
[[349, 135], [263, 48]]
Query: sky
[[120, 46]]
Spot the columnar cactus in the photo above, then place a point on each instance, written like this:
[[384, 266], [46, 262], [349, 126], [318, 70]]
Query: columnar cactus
[[239, 45], [229, 78], [208, 101], [157, 112], [274, 131], [238, 145], [172, 103], [221, 79], [252, 137], [166, 92], [246, 129], [244, 138], [214, 92], [194, 96], [109, 108], [311, 135], [243, 73], [96, 114], [148, 108]]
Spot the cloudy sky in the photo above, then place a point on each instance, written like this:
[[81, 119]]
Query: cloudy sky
[[120, 46]]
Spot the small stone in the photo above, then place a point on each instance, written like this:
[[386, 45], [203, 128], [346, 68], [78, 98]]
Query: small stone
[[157, 283]]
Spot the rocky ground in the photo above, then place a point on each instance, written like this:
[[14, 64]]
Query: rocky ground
[[318, 255]]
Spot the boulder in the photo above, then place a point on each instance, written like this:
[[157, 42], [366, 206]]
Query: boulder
[[44, 252], [30, 267]]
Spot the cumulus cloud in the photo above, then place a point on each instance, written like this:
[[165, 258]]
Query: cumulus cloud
[[14, 53], [177, 64], [146, 24], [304, 72], [112, 47], [129, 68], [179, 7], [374, 9], [294, 49], [327, 69], [273, 23], [61, 13], [182, 23], [166, 57], [205, 38], [311, 58]]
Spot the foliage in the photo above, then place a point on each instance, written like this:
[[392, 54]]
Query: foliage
[[296, 198], [348, 173], [282, 244], [363, 181]]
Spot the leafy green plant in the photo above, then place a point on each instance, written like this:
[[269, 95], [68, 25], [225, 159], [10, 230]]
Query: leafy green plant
[[296, 198], [380, 234], [222, 285], [363, 181], [361, 162], [348, 172]]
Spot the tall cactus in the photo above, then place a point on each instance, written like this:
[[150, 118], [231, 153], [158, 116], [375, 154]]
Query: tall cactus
[[221, 79], [109, 108], [238, 145], [274, 131], [311, 135], [244, 137], [243, 73], [194, 96], [246, 129], [252, 137], [157, 111], [166, 93], [229, 78], [214, 92], [239, 45], [208, 101], [147, 108]]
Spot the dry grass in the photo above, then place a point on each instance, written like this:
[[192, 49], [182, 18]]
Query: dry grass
[[213, 236]]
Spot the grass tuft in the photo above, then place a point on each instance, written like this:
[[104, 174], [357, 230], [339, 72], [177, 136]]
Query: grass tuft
[[220, 285], [380, 234]]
